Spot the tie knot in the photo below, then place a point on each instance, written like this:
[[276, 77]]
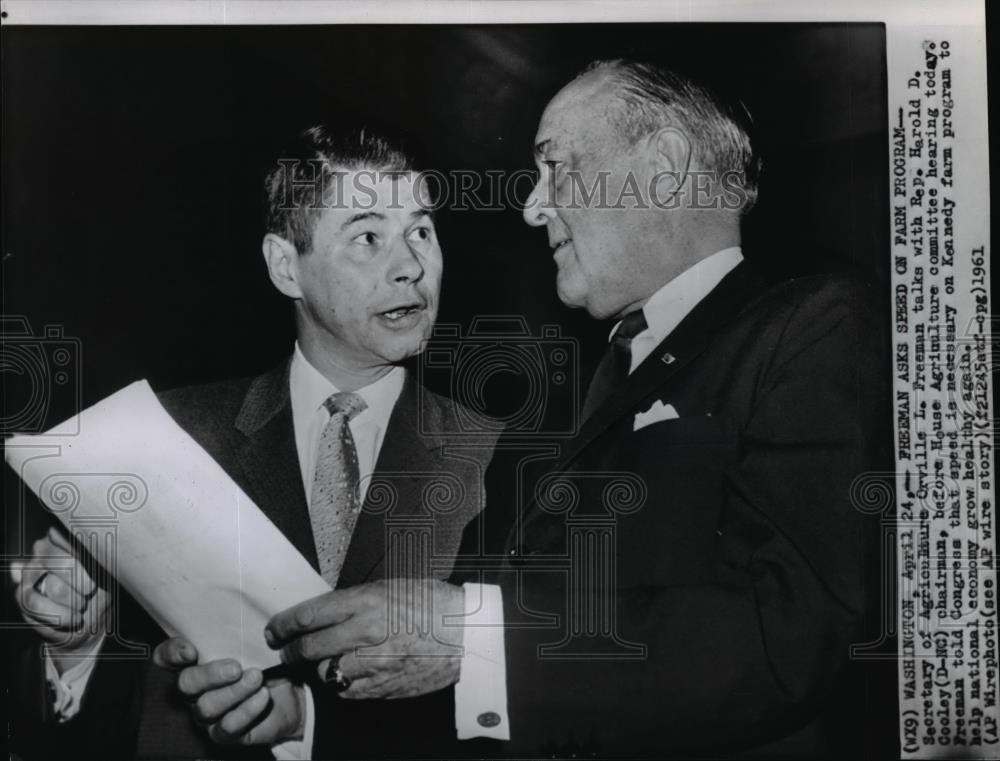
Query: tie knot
[[346, 403], [631, 325]]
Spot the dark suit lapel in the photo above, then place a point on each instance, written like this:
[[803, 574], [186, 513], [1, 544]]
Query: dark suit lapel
[[405, 461], [270, 460], [687, 341]]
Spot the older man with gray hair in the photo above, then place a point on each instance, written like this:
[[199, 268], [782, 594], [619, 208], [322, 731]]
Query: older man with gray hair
[[712, 608]]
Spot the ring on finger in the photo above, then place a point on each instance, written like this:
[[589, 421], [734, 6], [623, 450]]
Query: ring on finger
[[334, 676], [40, 584]]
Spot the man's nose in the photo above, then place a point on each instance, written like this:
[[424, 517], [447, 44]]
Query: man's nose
[[538, 208], [405, 266]]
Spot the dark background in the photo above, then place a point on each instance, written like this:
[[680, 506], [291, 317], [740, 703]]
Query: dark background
[[132, 161]]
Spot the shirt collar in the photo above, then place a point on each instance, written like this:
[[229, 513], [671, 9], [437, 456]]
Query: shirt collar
[[674, 300], [309, 388]]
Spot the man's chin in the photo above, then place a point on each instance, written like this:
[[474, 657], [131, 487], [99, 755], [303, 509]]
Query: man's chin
[[399, 347], [570, 297]]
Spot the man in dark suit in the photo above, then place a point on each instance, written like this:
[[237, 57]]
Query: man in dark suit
[[329, 446], [684, 575]]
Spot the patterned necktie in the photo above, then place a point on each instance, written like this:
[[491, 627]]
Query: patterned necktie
[[614, 367], [335, 504]]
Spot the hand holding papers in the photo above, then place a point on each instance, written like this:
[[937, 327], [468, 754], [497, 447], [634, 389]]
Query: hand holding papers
[[168, 523], [57, 596]]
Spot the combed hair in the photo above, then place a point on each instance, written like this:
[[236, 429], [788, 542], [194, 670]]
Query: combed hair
[[298, 186], [654, 97]]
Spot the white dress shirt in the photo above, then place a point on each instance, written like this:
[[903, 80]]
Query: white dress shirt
[[308, 389], [482, 685], [673, 302]]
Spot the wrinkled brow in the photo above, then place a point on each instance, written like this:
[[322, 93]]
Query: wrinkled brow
[[362, 216]]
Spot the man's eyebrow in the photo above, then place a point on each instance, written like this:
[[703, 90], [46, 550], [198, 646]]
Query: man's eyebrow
[[422, 213], [362, 216]]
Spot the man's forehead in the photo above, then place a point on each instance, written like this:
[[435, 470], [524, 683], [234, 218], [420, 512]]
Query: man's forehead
[[382, 189], [555, 133], [574, 112], [380, 178]]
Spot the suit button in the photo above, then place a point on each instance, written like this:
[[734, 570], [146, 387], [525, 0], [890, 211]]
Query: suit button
[[488, 719]]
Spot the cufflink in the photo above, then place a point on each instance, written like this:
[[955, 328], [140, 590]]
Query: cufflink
[[668, 359], [488, 719]]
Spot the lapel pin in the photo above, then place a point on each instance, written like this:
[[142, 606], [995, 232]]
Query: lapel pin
[[668, 358]]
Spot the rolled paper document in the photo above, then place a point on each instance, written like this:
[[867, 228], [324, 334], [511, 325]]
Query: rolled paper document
[[168, 523]]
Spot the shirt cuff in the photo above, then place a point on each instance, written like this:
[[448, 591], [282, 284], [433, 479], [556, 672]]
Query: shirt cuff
[[481, 691], [297, 750], [68, 687]]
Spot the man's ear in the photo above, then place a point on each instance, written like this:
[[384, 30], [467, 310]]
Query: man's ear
[[670, 152], [282, 260]]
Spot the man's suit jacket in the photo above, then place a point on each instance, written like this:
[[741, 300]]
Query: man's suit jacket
[[692, 587], [246, 426]]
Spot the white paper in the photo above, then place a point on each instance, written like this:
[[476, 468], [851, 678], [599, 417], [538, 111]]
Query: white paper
[[188, 543]]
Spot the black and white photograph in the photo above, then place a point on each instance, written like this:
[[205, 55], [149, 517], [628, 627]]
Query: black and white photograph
[[494, 380]]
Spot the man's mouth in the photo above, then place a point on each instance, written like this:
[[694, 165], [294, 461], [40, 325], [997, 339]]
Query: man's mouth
[[561, 243], [398, 313]]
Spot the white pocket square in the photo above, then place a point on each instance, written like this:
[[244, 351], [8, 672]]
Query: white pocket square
[[655, 414]]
